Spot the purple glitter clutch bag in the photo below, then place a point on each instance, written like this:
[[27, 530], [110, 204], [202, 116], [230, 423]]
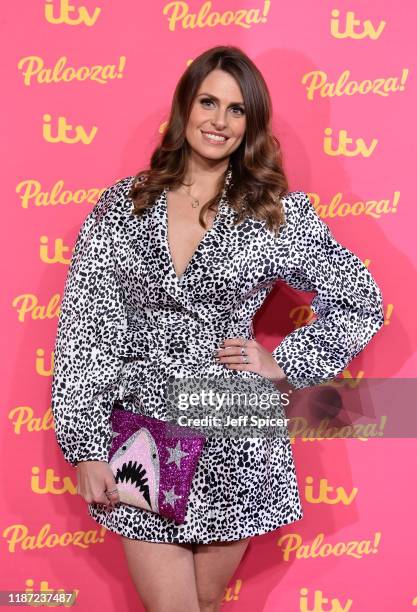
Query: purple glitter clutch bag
[[154, 462]]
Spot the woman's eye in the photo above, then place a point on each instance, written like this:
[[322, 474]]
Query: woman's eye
[[240, 110]]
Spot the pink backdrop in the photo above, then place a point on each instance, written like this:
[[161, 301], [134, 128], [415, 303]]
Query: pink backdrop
[[88, 91]]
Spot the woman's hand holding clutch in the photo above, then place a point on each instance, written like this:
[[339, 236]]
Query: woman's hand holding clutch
[[96, 483]]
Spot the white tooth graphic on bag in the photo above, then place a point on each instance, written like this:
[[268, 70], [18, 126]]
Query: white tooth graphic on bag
[[137, 470]]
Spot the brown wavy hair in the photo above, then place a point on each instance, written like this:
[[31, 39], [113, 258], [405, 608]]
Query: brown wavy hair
[[258, 179]]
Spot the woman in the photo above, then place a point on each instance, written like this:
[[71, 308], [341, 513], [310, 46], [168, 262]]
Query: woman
[[170, 263]]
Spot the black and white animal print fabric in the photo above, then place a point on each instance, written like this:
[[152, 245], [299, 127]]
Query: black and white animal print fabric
[[127, 323]]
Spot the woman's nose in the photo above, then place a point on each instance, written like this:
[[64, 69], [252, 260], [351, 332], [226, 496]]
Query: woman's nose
[[220, 119]]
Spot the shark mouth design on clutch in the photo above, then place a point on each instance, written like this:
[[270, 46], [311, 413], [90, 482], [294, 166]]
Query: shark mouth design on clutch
[[137, 470], [153, 462]]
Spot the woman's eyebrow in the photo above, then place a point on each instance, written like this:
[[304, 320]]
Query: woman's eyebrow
[[217, 99]]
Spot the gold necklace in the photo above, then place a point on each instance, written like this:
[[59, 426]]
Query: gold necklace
[[195, 202]]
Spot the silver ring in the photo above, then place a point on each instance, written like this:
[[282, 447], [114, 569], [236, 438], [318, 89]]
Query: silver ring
[[243, 351], [110, 492], [245, 359]]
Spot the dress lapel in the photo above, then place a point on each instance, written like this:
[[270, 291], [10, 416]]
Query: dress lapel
[[222, 240], [220, 236]]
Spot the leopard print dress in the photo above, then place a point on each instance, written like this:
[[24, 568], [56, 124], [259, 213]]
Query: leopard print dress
[[127, 323]]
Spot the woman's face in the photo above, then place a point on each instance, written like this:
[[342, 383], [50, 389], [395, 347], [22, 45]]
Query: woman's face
[[218, 107]]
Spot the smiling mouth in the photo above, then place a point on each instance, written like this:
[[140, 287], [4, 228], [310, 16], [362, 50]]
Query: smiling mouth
[[213, 138]]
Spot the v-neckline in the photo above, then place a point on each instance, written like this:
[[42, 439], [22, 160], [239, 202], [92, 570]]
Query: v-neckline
[[200, 243]]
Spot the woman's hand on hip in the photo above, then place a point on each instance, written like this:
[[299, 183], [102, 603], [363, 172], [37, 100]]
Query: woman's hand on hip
[[235, 351]]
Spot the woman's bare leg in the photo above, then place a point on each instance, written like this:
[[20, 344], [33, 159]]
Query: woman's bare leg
[[215, 565], [163, 574]]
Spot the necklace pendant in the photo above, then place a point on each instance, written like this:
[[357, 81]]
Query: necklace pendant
[[195, 203]]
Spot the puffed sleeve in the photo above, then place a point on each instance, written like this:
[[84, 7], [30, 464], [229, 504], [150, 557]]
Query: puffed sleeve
[[86, 370], [348, 302]]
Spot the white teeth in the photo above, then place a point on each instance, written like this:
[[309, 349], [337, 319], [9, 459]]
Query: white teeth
[[214, 137]]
